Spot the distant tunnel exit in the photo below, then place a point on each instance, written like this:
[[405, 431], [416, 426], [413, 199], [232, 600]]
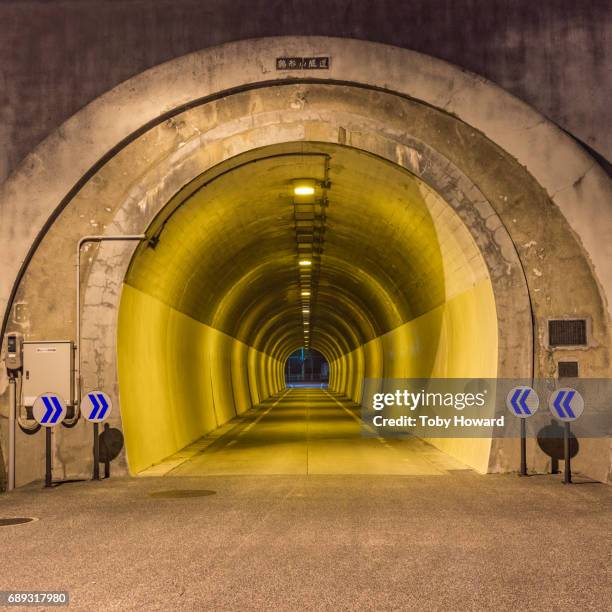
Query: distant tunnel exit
[[306, 367]]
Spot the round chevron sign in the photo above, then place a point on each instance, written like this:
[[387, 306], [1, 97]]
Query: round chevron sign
[[49, 409], [96, 406], [566, 404], [522, 402]]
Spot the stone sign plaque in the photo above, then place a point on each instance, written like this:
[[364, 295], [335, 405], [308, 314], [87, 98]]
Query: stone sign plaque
[[302, 63]]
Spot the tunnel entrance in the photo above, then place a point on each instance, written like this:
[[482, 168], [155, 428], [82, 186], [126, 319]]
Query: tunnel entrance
[[306, 368], [301, 243], [427, 255]]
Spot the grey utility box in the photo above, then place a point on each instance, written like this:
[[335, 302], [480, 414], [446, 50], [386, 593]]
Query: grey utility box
[[48, 367]]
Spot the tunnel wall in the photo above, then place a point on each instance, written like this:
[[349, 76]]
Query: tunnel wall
[[180, 379], [455, 340]]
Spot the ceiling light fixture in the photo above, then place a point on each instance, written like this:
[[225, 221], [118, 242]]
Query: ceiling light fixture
[[304, 187]]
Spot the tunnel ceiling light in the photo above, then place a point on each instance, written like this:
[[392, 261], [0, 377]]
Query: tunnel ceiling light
[[304, 187], [305, 293], [303, 190], [305, 262]]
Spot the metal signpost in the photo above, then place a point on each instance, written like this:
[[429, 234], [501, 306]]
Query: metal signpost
[[49, 410], [14, 366], [567, 405], [96, 408], [523, 402]]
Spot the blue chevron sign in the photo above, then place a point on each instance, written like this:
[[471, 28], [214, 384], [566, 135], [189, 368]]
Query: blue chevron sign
[[566, 404], [522, 401], [96, 406], [49, 409]]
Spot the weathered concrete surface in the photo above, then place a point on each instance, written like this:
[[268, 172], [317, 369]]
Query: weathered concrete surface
[[59, 56], [450, 542]]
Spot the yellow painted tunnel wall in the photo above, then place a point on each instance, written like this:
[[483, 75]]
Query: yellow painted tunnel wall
[[456, 340], [179, 378]]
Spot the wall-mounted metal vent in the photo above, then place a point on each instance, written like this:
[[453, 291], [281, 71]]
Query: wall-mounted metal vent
[[568, 369], [567, 332]]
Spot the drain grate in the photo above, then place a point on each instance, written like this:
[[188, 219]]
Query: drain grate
[[181, 493], [7, 522]]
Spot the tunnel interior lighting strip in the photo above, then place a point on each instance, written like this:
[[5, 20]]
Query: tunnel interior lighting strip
[[309, 204]]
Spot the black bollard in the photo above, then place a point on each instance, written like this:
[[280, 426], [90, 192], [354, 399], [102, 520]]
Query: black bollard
[[48, 474], [96, 453], [567, 475]]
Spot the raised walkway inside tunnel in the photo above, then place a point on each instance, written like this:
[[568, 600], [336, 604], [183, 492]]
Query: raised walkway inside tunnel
[[303, 431]]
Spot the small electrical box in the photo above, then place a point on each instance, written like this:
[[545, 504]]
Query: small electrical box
[[48, 366], [14, 342]]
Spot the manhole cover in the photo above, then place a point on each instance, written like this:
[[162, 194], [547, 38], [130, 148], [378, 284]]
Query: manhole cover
[[7, 522], [182, 493]]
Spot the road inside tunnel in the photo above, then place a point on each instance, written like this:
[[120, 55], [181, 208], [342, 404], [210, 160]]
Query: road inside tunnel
[[304, 431]]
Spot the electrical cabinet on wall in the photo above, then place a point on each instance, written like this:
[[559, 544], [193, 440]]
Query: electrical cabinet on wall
[[48, 367]]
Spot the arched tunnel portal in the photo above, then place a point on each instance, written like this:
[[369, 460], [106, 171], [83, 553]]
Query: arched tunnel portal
[[448, 223]]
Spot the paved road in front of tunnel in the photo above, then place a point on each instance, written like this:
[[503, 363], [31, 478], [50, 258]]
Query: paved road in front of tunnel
[[222, 537], [304, 431]]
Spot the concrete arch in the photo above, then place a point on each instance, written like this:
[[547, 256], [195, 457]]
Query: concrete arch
[[57, 169], [61, 168]]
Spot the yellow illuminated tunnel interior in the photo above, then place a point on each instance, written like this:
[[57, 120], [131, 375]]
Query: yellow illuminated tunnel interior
[[374, 270]]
